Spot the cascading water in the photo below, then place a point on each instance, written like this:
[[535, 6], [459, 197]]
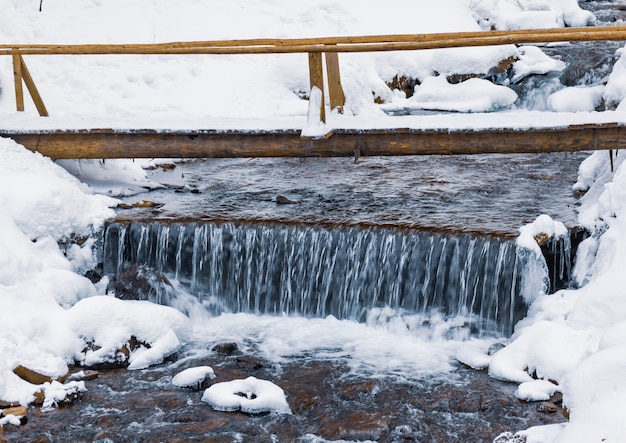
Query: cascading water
[[315, 272]]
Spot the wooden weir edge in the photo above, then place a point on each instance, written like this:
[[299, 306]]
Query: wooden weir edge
[[109, 143]]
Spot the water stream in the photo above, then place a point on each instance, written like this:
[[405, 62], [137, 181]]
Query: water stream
[[354, 297]]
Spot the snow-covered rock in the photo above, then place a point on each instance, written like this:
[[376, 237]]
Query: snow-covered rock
[[250, 395], [193, 378]]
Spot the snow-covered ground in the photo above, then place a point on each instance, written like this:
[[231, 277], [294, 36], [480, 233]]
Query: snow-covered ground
[[51, 316]]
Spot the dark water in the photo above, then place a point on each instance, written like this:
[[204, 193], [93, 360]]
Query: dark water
[[487, 194]]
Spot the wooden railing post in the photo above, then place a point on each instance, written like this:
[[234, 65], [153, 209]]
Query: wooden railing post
[[21, 73], [32, 89], [316, 77], [335, 92], [17, 80]]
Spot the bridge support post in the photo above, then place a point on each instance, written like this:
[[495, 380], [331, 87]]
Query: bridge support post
[[335, 91], [21, 73], [17, 80], [316, 78]]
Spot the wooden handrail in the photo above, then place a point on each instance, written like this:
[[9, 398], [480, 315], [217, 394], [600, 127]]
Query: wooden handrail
[[372, 43], [313, 46]]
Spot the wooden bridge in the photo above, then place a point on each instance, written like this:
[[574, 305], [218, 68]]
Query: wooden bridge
[[103, 143]]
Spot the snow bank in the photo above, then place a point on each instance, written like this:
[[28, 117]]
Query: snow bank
[[576, 337], [532, 60], [615, 91], [48, 210], [49, 311], [543, 226]]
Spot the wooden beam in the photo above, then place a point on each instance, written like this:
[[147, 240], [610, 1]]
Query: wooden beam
[[17, 81], [336, 96], [32, 89], [316, 78], [102, 143]]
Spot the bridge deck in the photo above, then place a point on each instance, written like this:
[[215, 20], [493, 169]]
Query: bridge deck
[[108, 143]]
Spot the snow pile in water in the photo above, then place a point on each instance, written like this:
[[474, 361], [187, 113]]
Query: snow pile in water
[[193, 377], [250, 395]]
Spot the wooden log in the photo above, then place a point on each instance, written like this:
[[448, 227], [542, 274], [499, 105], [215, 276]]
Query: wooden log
[[316, 78], [32, 89], [17, 81], [336, 96], [100, 144]]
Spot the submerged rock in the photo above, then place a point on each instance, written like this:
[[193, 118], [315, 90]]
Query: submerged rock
[[226, 348]]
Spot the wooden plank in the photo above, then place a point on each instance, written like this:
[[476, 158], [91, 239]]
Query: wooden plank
[[213, 144], [32, 89], [316, 78], [336, 96], [17, 80]]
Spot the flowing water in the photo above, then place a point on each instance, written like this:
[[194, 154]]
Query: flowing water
[[351, 286], [355, 300], [316, 272], [488, 194]]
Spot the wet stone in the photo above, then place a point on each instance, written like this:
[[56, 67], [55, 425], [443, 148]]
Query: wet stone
[[547, 407], [226, 348], [248, 362], [358, 426]]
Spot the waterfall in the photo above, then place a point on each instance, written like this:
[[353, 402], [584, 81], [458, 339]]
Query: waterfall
[[316, 272]]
